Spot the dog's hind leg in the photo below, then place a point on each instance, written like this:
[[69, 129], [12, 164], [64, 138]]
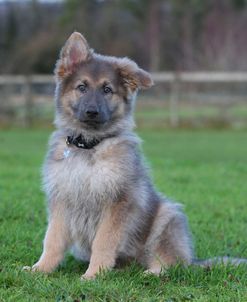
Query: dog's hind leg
[[169, 241]]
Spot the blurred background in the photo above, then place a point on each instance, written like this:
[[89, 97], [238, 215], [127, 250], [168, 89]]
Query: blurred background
[[196, 50], [193, 123]]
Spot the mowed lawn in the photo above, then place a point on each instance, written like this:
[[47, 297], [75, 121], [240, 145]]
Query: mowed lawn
[[204, 170]]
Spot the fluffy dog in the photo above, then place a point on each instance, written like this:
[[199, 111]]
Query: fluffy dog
[[101, 202]]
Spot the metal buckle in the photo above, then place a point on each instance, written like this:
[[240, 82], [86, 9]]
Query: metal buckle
[[67, 141]]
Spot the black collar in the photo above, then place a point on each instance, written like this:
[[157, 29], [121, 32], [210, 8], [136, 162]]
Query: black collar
[[80, 142]]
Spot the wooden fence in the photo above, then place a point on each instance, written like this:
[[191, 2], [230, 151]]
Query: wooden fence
[[174, 80], [177, 79]]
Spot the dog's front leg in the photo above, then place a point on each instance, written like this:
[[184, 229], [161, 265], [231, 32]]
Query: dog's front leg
[[55, 244], [107, 239]]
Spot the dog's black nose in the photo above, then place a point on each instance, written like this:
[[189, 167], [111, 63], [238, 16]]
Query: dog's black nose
[[92, 113]]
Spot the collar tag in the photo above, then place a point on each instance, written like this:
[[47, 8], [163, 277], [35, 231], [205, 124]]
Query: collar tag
[[66, 153]]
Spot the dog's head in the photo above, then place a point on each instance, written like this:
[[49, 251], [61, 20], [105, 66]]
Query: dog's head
[[95, 93]]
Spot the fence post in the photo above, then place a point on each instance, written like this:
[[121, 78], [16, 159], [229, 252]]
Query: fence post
[[7, 111], [174, 99], [27, 92]]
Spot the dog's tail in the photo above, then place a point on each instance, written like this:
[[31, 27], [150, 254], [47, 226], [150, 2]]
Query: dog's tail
[[219, 261]]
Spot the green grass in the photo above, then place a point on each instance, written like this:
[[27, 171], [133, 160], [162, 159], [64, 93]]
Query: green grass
[[205, 170]]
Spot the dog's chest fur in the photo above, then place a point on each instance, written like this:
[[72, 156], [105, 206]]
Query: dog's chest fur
[[85, 182], [79, 174]]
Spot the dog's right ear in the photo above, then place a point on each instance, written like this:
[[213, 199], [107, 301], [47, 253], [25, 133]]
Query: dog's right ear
[[74, 52]]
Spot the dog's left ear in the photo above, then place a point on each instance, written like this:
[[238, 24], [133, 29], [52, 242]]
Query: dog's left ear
[[133, 76], [74, 52]]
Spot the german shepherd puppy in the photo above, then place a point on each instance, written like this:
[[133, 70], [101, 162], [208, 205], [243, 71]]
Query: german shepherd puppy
[[101, 202]]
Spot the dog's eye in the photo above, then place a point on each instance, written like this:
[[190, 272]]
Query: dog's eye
[[82, 87], [107, 89]]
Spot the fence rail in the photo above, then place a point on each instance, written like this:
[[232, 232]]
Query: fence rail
[[23, 79], [203, 77], [168, 77], [175, 80]]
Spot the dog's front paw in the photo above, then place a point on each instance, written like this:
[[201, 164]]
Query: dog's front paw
[[88, 276], [153, 271], [27, 268], [36, 268]]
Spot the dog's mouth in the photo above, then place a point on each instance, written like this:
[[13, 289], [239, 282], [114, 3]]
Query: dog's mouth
[[93, 124]]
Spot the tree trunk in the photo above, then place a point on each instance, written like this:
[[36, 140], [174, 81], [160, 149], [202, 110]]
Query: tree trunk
[[154, 35]]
